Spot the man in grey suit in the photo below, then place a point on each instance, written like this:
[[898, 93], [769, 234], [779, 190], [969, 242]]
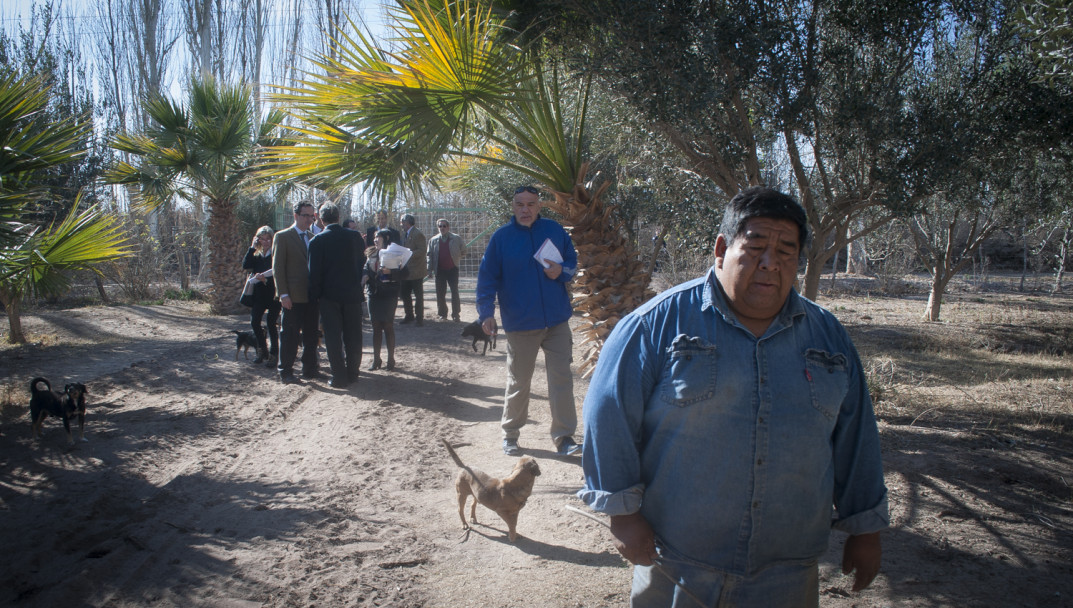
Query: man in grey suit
[[290, 268], [414, 240], [336, 262]]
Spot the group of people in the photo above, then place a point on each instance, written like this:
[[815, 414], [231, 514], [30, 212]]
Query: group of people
[[728, 424], [313, 277]]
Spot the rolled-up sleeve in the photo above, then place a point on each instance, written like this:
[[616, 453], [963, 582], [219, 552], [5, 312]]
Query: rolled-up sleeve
[[614, 414], [860, 496]]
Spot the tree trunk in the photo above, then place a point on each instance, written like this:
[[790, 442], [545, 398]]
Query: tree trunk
[[935, 297], [834, 270], [184, 272], [225, 263], [813, 274], [1063, 254], [14, 317], [100, 289], [611, 280], [857, 257]]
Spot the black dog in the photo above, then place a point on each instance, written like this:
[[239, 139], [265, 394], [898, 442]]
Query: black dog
[[475, 331], [244, 340], [69, 404]]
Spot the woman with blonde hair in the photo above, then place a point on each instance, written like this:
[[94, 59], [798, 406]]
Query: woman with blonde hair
[[258, 261]]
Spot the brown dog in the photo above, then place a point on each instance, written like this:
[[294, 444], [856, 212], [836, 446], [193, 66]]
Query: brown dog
[[505, 496]]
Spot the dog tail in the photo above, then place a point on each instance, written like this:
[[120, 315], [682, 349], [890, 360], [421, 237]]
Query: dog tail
[[454, 455], [33, 384]]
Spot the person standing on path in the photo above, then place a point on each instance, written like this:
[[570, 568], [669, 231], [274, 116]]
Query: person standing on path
[[445, 252], [534, 304]]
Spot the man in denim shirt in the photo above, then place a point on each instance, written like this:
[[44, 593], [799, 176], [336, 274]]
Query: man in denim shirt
[[724, 420]]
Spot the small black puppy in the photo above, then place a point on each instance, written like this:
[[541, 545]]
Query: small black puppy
[[244, 340], [475, 331], [71, 403]]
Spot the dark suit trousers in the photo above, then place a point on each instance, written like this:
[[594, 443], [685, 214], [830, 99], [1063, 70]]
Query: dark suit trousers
[[445, 278], [301, 318], [342, 337], [415, 287]]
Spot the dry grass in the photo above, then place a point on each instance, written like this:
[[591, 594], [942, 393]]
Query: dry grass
[[999, 360]]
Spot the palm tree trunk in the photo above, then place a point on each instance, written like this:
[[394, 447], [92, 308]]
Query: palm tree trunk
[[225, 264], [612, 279]]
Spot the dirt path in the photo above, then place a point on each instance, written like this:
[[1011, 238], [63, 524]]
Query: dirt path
[[205, 482]]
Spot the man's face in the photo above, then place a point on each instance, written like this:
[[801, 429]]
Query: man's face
[[526, 207], [758, 269], [403, 223], [444, 228], [381, 220], [304, 218]]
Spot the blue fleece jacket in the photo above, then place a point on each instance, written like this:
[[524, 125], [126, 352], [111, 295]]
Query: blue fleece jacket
[[528, 299]]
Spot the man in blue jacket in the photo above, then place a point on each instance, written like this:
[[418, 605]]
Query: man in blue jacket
[[728, 429], [534, 305]]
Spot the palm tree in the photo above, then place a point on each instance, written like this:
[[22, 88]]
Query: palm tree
[[460, 85], [208, 149], [32, 259]]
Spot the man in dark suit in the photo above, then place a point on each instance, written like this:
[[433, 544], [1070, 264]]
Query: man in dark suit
[[290, 268], [336, 260], [381, 224]]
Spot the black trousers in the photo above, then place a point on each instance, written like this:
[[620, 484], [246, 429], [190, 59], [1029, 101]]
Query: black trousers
[[444, 279], [417, 305], [256, 313], [342, 337], [300, 319]]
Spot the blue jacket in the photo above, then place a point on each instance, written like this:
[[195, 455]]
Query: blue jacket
[[733, 447], [528, 299]]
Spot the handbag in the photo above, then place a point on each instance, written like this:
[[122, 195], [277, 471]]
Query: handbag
[[246, 299]]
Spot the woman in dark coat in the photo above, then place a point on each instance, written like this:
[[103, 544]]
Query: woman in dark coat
[[258, 261], [382, 286]]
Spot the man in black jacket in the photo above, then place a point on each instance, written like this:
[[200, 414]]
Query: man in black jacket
[[336, 260]]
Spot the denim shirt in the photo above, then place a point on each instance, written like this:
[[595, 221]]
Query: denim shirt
[[734, 448]]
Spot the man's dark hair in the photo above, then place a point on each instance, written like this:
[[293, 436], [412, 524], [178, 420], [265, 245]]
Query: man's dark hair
[[761, 201], [349, 223], [408, 219], [329, 213], [384, 234], [298, 206]]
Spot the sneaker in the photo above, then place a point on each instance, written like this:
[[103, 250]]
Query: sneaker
[[510, 447], [568, 447]]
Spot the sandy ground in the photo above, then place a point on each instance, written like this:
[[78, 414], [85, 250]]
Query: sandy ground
[[206, 482]]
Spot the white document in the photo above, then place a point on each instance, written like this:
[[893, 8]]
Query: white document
[[548, 251], [395, 256]]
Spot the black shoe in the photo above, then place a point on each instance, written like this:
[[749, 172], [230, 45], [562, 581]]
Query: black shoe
[[288, 379], [313, 375], [260, 358], [456, 318], [352, 376], [406, 320], [376, 364], [390, 365], [332, 382]]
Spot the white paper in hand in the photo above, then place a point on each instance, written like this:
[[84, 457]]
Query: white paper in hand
[[548, 251], [395, 256]]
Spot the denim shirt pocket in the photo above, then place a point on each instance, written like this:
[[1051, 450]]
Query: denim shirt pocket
[[828, 380], [689, 375]]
